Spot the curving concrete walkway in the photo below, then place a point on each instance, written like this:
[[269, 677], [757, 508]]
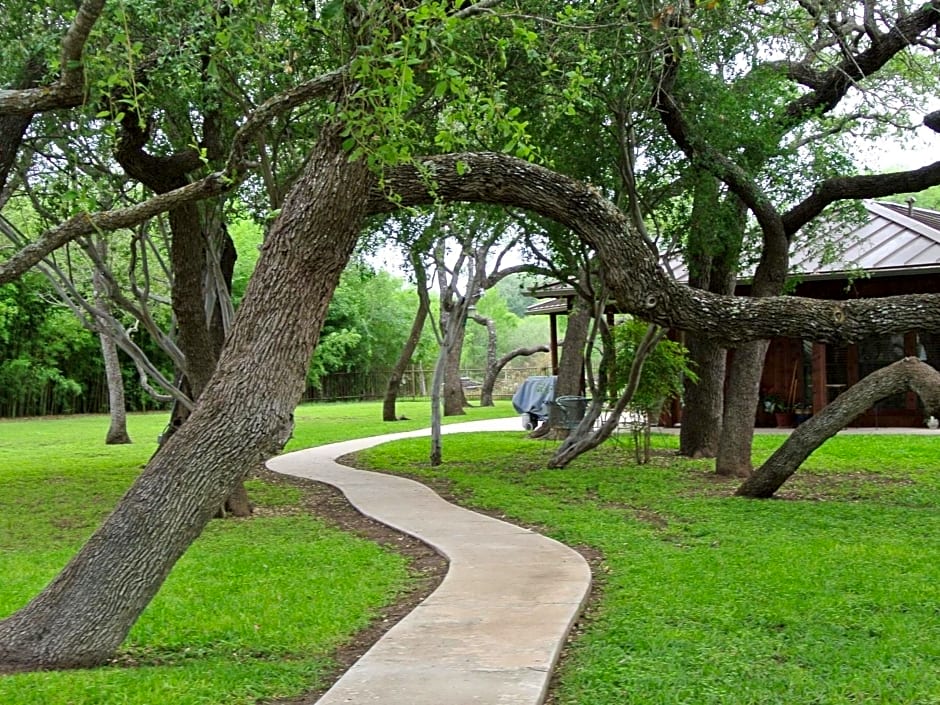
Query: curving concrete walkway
[[492, 631]]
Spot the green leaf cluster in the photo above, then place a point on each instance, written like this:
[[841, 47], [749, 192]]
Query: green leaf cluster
[[664, 370]]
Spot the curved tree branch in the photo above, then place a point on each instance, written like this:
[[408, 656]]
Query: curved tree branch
[[832, 85], [69, 90], [212, 185], [856, 187], [632, 273]]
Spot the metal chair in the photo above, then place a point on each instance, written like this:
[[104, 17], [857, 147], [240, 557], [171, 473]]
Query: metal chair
[[570, 410]]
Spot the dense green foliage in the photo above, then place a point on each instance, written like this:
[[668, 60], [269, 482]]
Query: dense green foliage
[[664, 369], [51, 364], [827, 596], [367, 323]]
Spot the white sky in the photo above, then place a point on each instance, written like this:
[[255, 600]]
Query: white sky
[[919, 150]]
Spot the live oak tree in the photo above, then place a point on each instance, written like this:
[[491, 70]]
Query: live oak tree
[[791, 105], [359, 165], [743, 96]]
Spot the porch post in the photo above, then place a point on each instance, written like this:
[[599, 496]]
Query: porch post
[[553, 342], [820, 397]]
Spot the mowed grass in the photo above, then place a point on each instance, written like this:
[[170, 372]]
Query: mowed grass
[[251, 612], [829, 596]]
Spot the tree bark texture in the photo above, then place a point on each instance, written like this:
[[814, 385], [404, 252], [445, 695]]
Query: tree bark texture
[[244, 413], [570, 380], [117, 428], [489, 377], [716, 232], [747, 364], [454, 399], [737, 427], [436, 455], [13, 126], [194, 228], [703, 403], [901, 376], [187, 248]]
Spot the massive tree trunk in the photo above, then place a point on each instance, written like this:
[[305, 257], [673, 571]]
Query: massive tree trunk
[[244, 412], [195, 228], [570, 380], [737, 427], [716, 232], [747, 363], [703, 402], [570, 377], [901, 376]]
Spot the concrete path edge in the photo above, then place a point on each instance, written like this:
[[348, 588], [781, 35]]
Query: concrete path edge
[[494, 629]]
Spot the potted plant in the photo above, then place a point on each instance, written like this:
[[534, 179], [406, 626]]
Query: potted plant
[[776, 405], [802, 412]]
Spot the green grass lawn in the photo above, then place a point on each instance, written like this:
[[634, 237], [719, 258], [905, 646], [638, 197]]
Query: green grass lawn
[[831, 595], [251, 612]]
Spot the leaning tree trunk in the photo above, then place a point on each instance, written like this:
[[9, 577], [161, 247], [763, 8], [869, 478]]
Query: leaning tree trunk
[[715, 234], [737, 427], [246, 409], [901, 376], [585, 437], [411, 344]]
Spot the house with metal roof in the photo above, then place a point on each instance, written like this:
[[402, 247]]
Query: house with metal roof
[[896, 250]]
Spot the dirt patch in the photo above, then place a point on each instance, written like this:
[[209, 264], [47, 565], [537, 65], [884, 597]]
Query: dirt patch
[[806, 486], [844, 487]]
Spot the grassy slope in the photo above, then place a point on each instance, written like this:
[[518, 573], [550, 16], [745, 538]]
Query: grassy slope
[[252, 610], [829, 597]]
